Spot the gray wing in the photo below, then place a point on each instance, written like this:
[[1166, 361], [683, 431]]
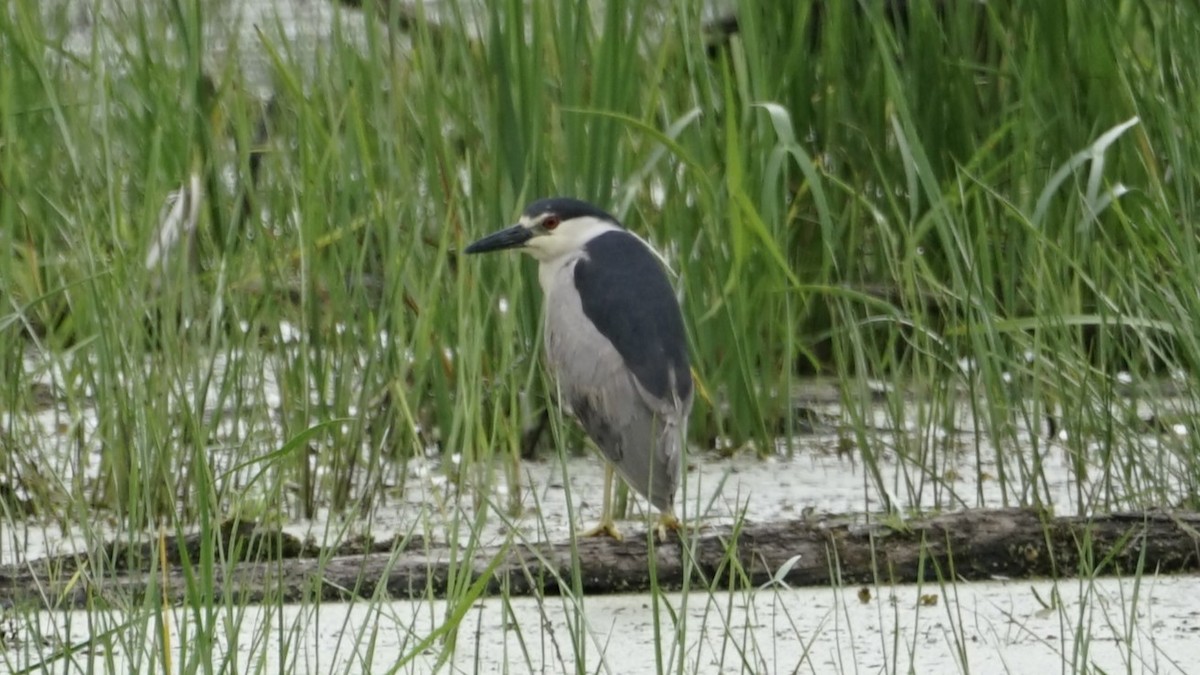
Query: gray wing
[[640, 433]]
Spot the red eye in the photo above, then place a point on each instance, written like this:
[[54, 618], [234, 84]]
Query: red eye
[[550, 223]]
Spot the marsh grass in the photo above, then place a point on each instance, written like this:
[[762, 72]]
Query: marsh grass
[[986, 209]]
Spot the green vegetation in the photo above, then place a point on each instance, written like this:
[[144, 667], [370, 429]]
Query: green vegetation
[[987, 208]]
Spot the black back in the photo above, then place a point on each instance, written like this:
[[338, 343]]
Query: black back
[[626, 294]]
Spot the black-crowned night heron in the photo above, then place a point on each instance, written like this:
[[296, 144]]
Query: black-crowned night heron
[[614, 343]]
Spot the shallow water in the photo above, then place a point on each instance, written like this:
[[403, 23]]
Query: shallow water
[[1110, 624], [997, 627], [715, 491], [994, 627]]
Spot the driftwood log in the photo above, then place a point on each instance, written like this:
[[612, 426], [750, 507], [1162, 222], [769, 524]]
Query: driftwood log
[[256, 565]]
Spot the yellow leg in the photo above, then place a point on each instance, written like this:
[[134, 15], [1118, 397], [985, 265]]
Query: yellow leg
[[607, 526], [668, 521]]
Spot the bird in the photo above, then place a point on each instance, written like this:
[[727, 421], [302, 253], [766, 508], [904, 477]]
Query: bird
[[615, 344]]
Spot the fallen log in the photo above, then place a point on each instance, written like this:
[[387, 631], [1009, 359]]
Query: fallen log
[[968, 545]]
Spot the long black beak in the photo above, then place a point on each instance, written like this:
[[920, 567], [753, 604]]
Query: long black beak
[[509, 237]]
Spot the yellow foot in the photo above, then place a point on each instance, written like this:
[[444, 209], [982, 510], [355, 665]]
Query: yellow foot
[[606, 528], [667, 521]]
